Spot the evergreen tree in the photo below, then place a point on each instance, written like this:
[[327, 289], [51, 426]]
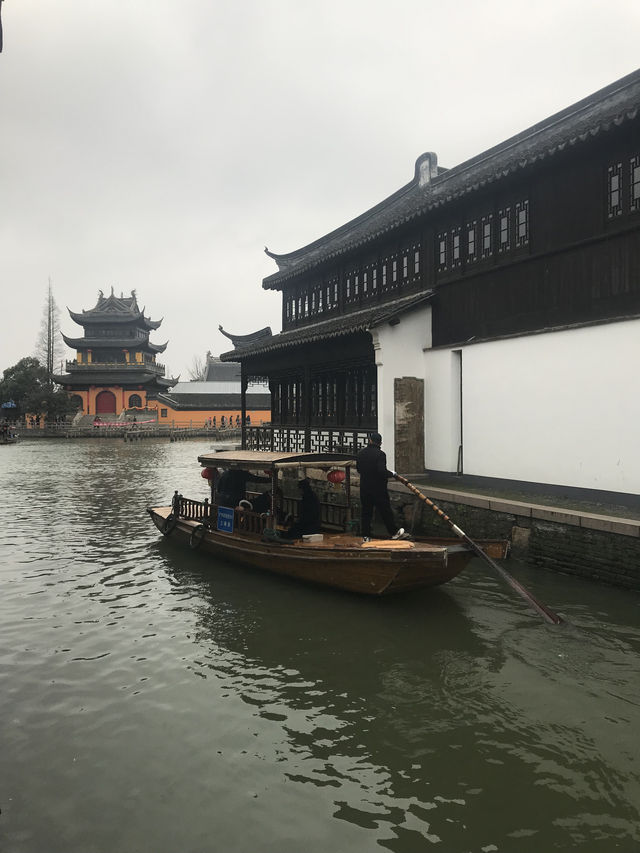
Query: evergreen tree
[[27, 385], [49, 350]]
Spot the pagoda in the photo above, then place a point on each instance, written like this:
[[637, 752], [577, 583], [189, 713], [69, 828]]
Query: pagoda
[[115, 368]]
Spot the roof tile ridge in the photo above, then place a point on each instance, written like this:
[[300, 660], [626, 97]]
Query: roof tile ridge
[[562, 116]]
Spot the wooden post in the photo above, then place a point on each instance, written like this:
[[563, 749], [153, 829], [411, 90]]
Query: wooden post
[[243, 405], [347, 491], [306, 413]]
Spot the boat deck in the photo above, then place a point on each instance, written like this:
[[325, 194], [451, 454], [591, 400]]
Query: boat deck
[[332, 540]]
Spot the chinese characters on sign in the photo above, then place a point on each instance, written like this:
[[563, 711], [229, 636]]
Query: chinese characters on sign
[[225, 519]]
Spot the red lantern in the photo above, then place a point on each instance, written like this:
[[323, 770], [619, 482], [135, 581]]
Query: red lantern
[[207, 473], [336, 476]]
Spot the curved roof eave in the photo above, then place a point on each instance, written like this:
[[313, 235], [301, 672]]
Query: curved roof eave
[[359, 321], [109, 343]]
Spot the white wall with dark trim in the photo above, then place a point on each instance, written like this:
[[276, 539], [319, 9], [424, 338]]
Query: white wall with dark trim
[[559, 407]]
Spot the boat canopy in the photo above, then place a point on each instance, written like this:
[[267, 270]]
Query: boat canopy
[[261, 459]]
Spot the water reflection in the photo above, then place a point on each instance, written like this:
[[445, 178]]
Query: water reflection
[[153, 700], [420, 727]]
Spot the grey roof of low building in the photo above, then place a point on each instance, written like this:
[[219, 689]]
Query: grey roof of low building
[[208, 402], [358, 321], [219, 371], [598, 113]]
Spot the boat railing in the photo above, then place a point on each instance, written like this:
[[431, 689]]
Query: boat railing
[[190, 509], [206, 512]]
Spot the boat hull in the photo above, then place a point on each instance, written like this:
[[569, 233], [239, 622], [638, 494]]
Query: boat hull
[[339, 561]]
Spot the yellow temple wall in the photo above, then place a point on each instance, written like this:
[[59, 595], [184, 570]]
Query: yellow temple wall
[[204, 417]]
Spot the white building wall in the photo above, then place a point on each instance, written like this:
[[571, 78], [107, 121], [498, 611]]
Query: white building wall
[[560, 407], [442, 409], [399, 352]]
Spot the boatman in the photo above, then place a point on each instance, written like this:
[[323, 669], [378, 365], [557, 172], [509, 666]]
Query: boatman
[[371, 464]]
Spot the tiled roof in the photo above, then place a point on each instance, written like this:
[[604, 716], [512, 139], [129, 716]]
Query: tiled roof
[[608, 108], [358, 321], [202, 402], [112, 343], [240, 341], [217, 371], [113, 309]]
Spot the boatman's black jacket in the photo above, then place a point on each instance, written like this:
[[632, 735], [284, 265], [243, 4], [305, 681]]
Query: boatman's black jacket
[[371, 464]]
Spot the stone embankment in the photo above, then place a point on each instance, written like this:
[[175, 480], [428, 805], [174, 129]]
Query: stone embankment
[[596, 541], [129, 432]]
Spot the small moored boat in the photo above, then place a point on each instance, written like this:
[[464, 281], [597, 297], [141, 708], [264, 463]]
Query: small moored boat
[[8, 436], [336, 557]]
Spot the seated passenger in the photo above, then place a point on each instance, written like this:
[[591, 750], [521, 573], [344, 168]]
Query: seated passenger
[[232, 486], [309, 520]]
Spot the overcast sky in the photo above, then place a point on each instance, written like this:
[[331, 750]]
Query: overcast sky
[[159, 145]]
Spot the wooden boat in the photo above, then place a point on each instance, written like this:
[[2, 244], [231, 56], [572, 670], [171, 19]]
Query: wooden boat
[[337, 557]]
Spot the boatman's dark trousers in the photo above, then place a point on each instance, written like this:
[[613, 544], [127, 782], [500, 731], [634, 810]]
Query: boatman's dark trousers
[[380, 501]]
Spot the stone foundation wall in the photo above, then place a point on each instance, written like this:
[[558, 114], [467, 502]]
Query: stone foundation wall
[[600, 555]]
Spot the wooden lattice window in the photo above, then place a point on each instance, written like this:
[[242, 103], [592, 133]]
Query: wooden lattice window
[[472, 241], [504, 222], [487, 235], [442, 250], [634, 183], [456, 254], [522, 222], [614, 191]]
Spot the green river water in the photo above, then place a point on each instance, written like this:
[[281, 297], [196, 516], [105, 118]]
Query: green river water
[[153, 700]]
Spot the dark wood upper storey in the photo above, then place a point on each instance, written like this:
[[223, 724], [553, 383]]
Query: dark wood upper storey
[[539, 231]]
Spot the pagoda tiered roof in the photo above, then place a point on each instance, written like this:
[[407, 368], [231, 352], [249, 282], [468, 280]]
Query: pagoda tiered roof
[[115, 310], [114, 343], [126, 377]]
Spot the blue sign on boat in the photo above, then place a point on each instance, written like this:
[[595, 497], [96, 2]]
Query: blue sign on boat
[[225, 519]]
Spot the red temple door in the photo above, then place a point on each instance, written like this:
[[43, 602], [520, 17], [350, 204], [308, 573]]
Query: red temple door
[[106, 403]]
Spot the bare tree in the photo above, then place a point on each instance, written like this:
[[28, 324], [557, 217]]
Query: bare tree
[[49, 350], [197, 369]]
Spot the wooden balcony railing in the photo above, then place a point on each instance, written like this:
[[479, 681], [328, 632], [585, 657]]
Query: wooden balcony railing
[[153, 366], [293, 439]]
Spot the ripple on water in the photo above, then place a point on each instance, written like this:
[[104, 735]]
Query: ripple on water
[[153, 702]]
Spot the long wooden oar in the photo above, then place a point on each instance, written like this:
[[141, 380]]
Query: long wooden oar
[[545, 612]]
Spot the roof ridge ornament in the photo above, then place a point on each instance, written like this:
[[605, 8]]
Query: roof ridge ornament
[[426, 168]]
